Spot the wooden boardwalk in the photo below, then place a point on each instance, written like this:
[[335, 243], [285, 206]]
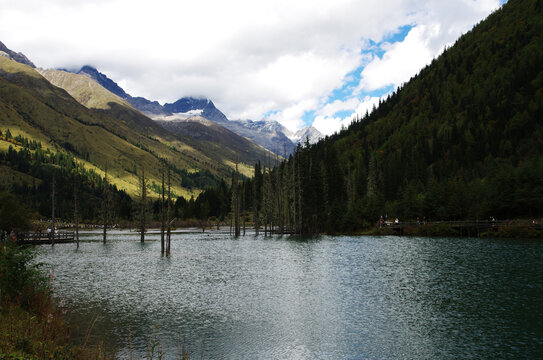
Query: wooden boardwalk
[[465, 228], [37, 238]]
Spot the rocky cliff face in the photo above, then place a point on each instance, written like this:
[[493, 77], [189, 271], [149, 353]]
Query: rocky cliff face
[[15, 56], [308, 133], [267, 133], [103, 80], [186, 104]]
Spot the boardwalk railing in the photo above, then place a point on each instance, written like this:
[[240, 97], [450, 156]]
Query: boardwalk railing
[[467, 227], [45, 237]]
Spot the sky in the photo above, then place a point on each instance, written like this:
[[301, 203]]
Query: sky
[[300, 62]]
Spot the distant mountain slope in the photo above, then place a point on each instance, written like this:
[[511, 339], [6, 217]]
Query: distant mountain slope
[[19, 57], [205, 106], [214, 137], [269, 134], [308, 133], [33, 107], [149, 108], [83, 89], [222, 154], [461, 140], [103, 80]]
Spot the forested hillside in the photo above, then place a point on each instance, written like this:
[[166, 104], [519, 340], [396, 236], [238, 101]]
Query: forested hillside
[[462, 139], [114, 139]]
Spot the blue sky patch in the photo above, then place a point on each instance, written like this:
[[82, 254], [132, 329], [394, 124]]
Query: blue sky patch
[[352, 79]]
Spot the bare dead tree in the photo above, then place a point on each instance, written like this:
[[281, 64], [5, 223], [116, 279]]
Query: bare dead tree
[[76, 215], [255, 204], [106, 204], [169, 233], [236, 201], [162, 217], [143, 206], [243, 207], [52, 233]]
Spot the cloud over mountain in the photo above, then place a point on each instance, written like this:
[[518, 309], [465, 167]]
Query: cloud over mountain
[[274, 58]]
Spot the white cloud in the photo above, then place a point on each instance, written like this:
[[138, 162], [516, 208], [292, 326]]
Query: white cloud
[[369, 103], [439, 25], [291, 117], [250, 57], [336, 106], [401, 60], [328, 124]]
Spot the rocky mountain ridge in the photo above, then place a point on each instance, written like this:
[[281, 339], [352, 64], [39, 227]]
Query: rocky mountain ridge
[[267, 133], [15, 56]]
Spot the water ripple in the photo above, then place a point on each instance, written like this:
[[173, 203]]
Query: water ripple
[[326, 298]]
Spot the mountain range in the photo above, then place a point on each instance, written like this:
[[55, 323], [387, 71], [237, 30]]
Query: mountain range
[[15, 56], [71, 113], [462, 139], [267, 133]]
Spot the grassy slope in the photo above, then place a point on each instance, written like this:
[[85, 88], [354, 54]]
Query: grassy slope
[[217, 155], [32, 107], [83, 89], [219, 142]]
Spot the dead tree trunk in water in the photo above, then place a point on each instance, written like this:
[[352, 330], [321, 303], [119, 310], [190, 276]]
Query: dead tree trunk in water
[[236, 201], [143, 206], [168, 235], [76, 215], [105, 205], [299, 199], [293, 185], [255, 206], [52, 233], [163, 220], [264, 206], [243, 207]]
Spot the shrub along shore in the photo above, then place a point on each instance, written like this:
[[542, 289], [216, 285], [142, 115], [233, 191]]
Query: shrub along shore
[[31, 320]]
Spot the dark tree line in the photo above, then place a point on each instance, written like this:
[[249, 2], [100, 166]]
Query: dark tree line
[[41, 165], [462, 140]]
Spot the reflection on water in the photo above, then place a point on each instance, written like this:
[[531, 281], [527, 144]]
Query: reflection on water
[[324, 298]]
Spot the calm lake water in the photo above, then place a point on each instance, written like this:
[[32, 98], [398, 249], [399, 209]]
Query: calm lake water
[[324, 298]]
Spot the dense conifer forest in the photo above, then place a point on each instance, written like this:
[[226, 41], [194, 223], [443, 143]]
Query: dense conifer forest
[[461, 140]]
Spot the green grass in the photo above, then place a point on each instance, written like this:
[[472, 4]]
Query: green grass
[[85, 90], [110, 135], [32, 107]]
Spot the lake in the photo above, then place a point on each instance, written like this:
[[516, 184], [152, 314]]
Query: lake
[[329, 297]]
